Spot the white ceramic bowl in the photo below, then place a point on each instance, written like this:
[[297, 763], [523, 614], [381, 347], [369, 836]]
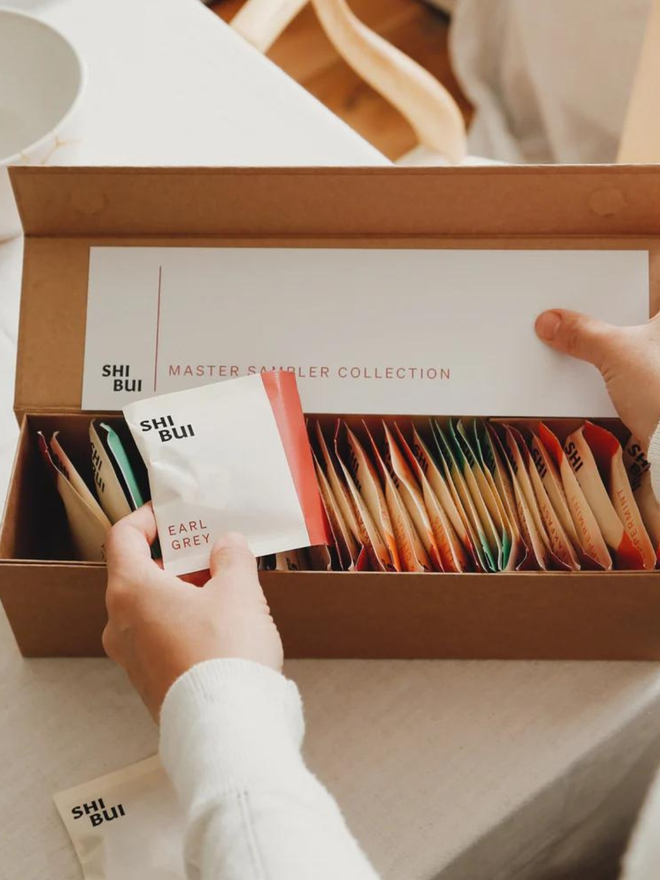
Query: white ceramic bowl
[[41, 83]]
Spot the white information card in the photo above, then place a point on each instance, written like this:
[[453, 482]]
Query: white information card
[[402, 331]]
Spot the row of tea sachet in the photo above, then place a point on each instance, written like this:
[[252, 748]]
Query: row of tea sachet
[[483, 495], [465, 495], [119, 481]]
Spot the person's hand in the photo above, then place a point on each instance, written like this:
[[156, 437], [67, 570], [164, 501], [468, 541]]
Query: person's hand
[[159, 626], [627, 357]]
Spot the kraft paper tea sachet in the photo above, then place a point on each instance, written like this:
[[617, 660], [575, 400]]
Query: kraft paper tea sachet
[[531, 513], [344, 545], [377, 551], [466, 437], [410, 495], [446, 499], [591, 539], [463, 499], [537, 552], [581, 458], [453, 556], [501, 511], [319, 557], [558, 548], [291, 560], [639, 474], [412, 555], [365, 477], [495, 460], [114, 479], [559, 540], [478, 488], [231, 456], [88, 525], [608, 455], [339, 491], [551, 480], [303, 559], [492, 460]]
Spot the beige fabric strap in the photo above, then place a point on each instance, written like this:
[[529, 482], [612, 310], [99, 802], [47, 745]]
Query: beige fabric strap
[[640, 140], [261, 22], [427, 105]]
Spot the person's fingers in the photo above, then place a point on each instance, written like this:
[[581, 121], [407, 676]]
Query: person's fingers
[[231, 553], [232, 562], [129, 541], [110, 642], [196, 578], [578, 335]]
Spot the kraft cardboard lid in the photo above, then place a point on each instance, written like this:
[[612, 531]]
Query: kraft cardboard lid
[[66, 210]]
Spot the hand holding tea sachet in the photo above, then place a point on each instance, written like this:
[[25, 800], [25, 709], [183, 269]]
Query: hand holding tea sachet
[[232, 456], [206, 663], [159, 626]]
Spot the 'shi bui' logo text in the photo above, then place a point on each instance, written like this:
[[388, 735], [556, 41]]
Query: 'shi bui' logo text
[[120, 375], [166, 428], [97, 812]]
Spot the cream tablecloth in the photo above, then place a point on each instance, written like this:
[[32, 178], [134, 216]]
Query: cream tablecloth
[[454, 770]]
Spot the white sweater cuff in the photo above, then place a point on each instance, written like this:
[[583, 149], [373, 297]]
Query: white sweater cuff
[[654, 461], [227, 724]]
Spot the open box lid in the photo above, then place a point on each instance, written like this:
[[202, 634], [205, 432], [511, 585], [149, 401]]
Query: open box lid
[[66, 210]]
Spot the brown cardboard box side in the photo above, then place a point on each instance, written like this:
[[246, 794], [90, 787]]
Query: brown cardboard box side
[[57, 607]]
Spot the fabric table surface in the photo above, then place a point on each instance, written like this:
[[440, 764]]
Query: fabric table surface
[[444, 769]]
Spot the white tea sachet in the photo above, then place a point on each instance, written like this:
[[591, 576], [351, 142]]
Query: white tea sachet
[[127, 825], [232, 456]]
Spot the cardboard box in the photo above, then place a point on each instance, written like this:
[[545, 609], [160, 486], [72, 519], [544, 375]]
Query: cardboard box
[[56, 607]]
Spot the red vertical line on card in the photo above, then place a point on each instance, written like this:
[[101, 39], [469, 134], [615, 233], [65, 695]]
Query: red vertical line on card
[[160, 277]]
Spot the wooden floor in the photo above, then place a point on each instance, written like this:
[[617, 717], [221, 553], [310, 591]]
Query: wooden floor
[[305, 53]]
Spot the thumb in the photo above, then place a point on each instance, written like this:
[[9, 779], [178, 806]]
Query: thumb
[[577, 335], [232, 559]]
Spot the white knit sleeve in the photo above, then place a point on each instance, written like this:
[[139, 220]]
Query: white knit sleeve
[[231, 732]]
